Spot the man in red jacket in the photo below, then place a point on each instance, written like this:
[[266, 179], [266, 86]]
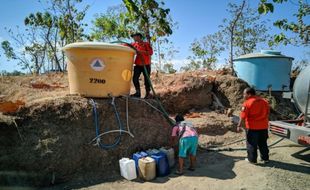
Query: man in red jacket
[[255, 114], [143, 58]]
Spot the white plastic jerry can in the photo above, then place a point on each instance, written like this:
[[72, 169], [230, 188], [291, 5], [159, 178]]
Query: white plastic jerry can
[[155, 151], [149, 152], [170, 154], [128, 168], [152, 151]]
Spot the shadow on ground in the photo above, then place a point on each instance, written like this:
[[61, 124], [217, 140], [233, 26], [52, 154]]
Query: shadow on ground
[[209, 164], [303, 155]]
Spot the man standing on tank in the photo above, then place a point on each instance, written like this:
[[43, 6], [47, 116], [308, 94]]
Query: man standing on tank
[[143, 58], [255, 113]]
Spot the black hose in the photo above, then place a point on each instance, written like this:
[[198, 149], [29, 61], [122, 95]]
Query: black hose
[[237, 148], [166, 115], [97, 126]]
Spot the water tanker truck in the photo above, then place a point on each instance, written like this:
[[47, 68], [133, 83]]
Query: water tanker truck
[[297, 130]]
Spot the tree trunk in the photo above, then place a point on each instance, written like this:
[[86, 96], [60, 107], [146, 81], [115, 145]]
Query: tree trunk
[[71, 24], [63, 56], [231, 52], [55, 55], [232, 29], [29, 68], [147, 33], [243, 38], [54, 49], [159, 58], [36, 64]]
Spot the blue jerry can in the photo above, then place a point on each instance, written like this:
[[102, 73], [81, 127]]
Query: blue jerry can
[[137, 156], [162, 164]]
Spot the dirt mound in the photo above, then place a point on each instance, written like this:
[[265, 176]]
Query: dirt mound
[[229, 90], [281, 109], [185, 91], [182, 92], [33, 88], [179, 92], [54, 141], [214, 128]]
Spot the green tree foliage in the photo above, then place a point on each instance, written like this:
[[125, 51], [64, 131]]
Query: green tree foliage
[[71, 27], [192, 65], [113, 24], [8, 50], [168, 68], [47, 24], [38, 48], [250, 31], [243, 30], [146, 16], [299, 65], [13, 73], [150, 17], [26, 50], [300, 28], [61, 24], [229, 28], [37, 53], [206, 50], [165, 53]]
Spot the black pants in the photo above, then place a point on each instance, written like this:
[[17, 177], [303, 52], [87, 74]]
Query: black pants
[[136, 75], [257, 139]]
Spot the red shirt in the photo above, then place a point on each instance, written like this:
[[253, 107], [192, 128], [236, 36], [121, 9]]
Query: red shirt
[[255, 112], [146, 56]]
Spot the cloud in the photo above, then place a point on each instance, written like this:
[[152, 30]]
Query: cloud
[[178, 63]]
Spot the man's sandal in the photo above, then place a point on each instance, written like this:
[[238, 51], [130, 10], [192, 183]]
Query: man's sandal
[[178, 172]]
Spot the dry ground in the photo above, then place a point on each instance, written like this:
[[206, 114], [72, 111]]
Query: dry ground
[[288, 170]]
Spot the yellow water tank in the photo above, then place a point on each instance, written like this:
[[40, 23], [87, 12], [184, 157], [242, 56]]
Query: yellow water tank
[[97, 69]]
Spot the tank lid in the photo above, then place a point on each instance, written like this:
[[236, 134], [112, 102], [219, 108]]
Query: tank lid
[[270, 52], [98, 45], [264, 54]]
